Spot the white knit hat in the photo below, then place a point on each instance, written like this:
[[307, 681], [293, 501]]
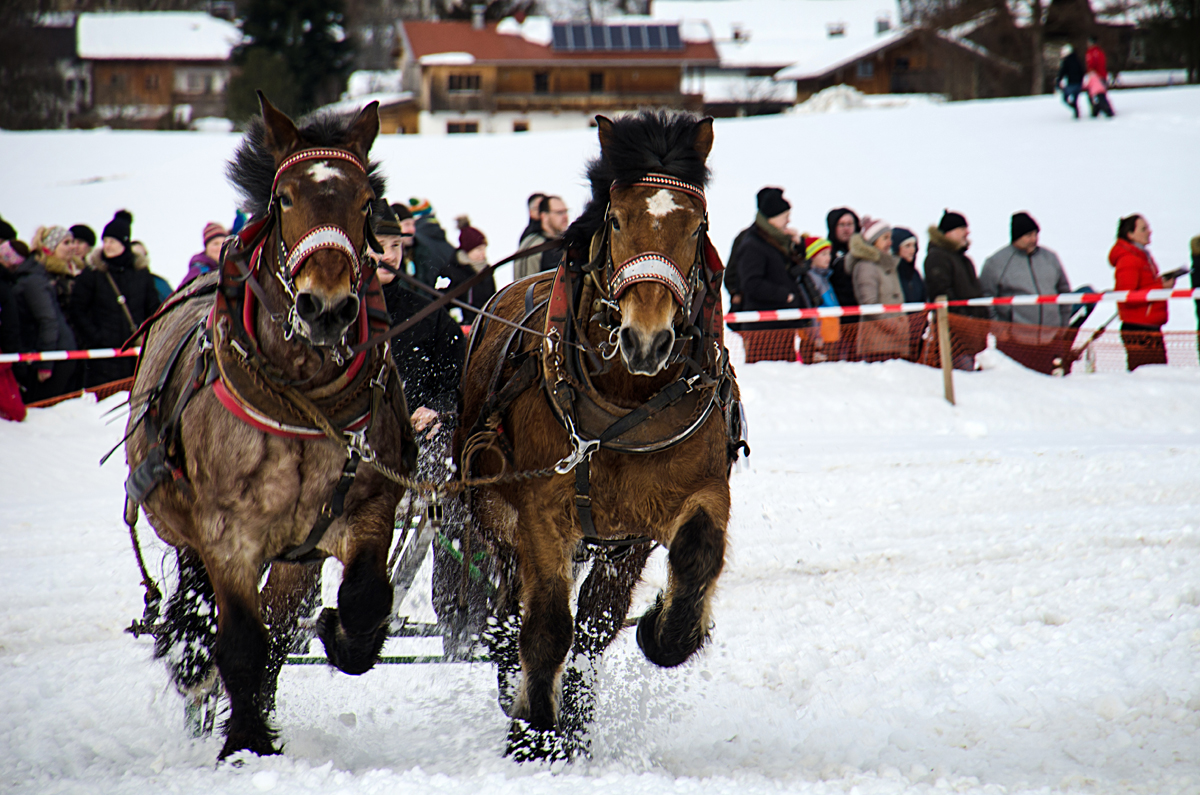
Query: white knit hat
[[873, 228]]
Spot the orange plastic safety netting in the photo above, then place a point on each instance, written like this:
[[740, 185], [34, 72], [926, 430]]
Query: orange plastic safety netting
[[1050, 350]]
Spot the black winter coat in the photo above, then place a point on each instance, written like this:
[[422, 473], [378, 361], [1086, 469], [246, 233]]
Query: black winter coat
[[950, 272], [460, 271], [764, 275], [911, 282], [95, 310], [10, 314], [1070, 69], [43, 325], [429, 355]]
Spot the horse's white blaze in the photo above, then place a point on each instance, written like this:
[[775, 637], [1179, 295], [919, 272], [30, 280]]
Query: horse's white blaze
[[661, 203], [320, 172]]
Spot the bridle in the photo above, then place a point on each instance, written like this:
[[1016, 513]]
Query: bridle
[[652, 266], [291, 259]]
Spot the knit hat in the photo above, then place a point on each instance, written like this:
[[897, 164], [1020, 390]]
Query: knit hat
[[469, 238], [6, 230], [771, 202], [53, 236], [401, 212], [874, 228], [383, 220], [1023, 224], [84, 233], [1065, 51], [950, 221], [120, 227], [12, 250], [899, 235], [214, 230], [420, 208], [814, 245]]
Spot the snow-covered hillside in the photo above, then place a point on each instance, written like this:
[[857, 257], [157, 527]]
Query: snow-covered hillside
[[905, 164]]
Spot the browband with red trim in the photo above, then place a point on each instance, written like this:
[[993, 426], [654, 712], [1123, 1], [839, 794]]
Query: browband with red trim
[[670, 183], [314, 154]]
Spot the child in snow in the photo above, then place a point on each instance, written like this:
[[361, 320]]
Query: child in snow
[[1097, 94]]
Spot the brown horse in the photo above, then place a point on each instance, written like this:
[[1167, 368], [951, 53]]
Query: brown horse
[[252, 417], [641, 452]]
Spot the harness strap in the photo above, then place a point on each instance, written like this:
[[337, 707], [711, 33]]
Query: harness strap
[[330, 511]]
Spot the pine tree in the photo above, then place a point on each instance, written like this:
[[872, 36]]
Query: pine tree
[[307, 38]]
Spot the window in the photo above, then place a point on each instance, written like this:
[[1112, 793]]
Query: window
[[464, 84], [541, 83], [901, 64], [151, 82], [866, 69], [596, 82], [458, 127], [520, 126]]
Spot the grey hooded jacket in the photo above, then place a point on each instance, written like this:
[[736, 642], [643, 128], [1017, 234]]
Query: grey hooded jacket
[[1011, 271]]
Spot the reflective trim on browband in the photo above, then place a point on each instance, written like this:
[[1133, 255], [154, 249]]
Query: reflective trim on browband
[[314, 154], [670, 183], [651, 266]]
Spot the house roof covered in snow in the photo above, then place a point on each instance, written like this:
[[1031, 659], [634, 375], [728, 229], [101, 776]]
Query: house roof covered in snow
[[777, 33], [530, 42], [155, 35]]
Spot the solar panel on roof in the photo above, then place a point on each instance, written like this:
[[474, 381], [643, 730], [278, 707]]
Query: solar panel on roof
[[578, 37]]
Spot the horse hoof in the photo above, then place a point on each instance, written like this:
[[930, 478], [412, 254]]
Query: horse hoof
[[350, 654], [662, 655], [235, 744], [527, 744]]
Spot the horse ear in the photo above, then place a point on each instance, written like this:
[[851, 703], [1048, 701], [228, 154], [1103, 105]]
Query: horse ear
[[704, 137], [363, 131], [282, 135], [604, 126]]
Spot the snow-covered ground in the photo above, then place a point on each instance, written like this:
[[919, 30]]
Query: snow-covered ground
[[904, 163], [997, 597]]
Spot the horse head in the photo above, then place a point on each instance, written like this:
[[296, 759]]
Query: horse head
[[322, 195], [657, 226]]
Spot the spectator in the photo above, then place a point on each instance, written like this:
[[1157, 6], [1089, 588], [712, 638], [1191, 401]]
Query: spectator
[[1135, 269], [826, 332], [904, 248], [43, 327], [766, 257], [431, 252], [161, 285], [950, 272], [54, 247], [112, 298], [11, 405], [733, 282], [1097, 91], [6, 231], [209, 259], [843, 223], [1070, 78], [408, 232], [533, 205], [874, 270], [554, 218], [1095, 59], [470, 259], [85, 241], [1035, 335]]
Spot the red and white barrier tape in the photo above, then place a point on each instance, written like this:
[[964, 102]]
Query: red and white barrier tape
[[1120, 296], [62, 356]]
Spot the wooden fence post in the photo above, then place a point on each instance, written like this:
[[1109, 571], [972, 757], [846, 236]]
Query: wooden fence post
[[943, 329]]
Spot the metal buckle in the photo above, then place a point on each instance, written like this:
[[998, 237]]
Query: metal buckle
[[581, 449], [357, 441]]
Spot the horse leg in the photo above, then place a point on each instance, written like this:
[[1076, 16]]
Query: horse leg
[[242, 649], [354, 632], [501, 636], [187, 637], [677, 625], [603, 603], [290, 593], [545, 639]]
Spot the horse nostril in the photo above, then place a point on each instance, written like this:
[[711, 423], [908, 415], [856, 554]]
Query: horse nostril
[[347, 310], [309, 306], [629, 340], [663, 341]]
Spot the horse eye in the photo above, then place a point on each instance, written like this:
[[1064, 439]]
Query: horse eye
[[285, 202], [616, 225], [366, 208]]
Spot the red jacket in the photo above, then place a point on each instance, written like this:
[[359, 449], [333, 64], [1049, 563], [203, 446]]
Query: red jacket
[[1135, 270], [1097, 61]]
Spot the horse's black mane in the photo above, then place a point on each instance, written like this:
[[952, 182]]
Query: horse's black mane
[[658, 141], [252, 169]]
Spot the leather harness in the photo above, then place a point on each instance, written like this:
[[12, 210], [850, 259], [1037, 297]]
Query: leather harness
[[592, 422]]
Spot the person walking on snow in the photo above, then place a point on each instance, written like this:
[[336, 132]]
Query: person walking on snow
[[1070, 78]]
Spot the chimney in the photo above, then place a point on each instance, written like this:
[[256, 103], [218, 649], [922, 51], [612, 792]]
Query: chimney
[[883, 24], [477, 10]]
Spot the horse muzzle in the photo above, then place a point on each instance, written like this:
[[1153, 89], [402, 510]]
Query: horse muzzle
[[646, 353], [322, 320]]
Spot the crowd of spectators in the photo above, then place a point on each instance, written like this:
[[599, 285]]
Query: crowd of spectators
[[866, 260]]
